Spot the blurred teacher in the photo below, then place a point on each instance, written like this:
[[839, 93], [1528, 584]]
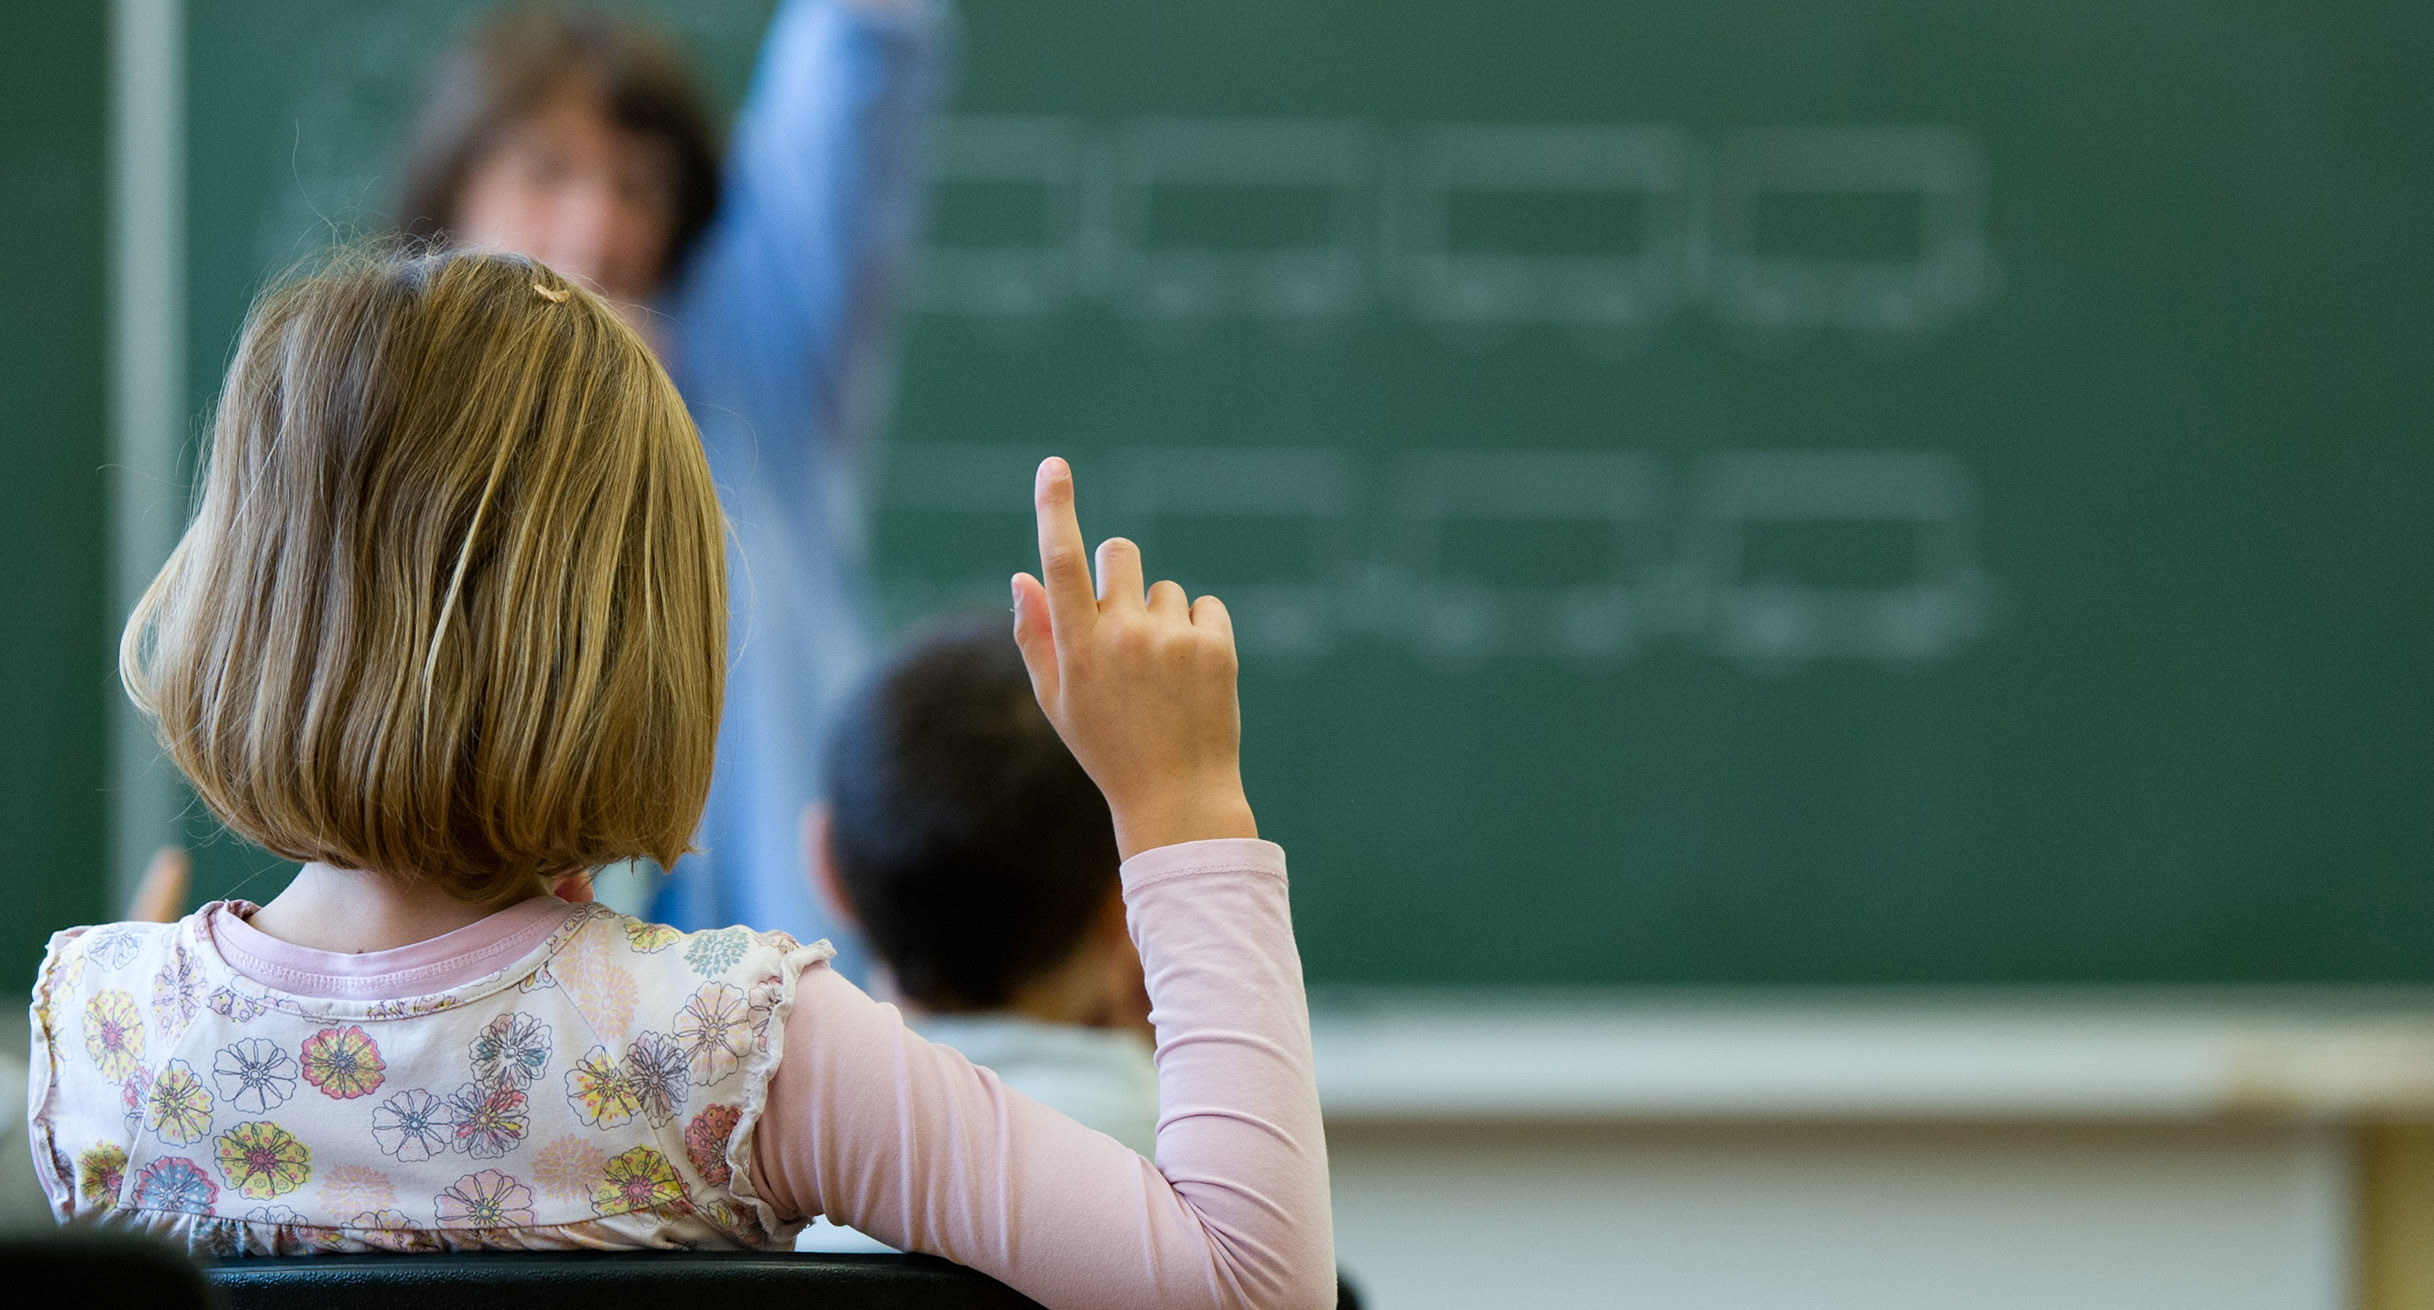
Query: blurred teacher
[[579, 139]]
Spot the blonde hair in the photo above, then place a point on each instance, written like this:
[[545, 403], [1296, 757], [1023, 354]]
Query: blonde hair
[[453, 605]]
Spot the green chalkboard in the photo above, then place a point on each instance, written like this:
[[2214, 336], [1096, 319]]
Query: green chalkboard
[[54, 579], [1750, 491]]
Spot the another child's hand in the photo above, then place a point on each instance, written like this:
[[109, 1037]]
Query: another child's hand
[[161, 896], [1140, 685]]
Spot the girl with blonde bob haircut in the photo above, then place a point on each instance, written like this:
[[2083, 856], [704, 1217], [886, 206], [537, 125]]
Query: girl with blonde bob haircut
[[454, 605], [448, 627]]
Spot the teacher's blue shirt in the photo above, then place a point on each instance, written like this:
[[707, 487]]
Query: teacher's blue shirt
[[778, 335]]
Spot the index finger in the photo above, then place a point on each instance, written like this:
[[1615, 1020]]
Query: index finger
[[1064, 561]]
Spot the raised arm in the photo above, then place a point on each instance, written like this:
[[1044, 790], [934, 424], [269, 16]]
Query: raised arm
[[782, 315], [909, 1142]]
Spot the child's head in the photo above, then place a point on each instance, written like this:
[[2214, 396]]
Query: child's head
[[572, 134], [453, 605], [975, 853]]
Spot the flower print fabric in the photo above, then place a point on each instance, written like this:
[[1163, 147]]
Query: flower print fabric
[[512, 1051], [176, 993], [586, 1096], [651, 938], [641, 1179], [655, 1068], [254, 1075], [263, 1160], [134, 1094], [230, 1004], [282, 1230], [713, 953], [115, 946], [741, 1220], [706, 1141], [352, 1189], [490, 1121], [114, 1033], [390, 1230], [715, 1030], [569, 1168], [413, 1126], [599, 1090], [175, 1183], [179, 1106], [342, 1063], [489, 1199], [99, 1172], [595, 973]]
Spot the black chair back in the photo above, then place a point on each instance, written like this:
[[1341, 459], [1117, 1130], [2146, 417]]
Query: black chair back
[[102, 1270], [587, 1281]]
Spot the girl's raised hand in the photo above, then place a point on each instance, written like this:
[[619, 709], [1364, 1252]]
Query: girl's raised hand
[[1139, 684]]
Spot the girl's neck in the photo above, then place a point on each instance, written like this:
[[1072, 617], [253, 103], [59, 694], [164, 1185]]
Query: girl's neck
[[348, 912]]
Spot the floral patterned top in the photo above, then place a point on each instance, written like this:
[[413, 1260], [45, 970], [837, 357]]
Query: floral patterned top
[[600, 1090]]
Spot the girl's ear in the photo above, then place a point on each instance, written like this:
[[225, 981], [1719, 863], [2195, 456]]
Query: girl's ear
[[822, 867]]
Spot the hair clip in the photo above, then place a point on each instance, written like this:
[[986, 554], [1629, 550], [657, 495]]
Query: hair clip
[[553, 295]]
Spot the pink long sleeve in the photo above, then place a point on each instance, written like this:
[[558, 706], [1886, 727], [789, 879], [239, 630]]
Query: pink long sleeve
[[911, 1143]]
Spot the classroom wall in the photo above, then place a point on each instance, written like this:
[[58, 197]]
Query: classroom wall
[[1557, 1215], [55, 642]]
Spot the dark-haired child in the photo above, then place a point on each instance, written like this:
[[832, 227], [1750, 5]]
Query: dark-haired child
[[981, 863]]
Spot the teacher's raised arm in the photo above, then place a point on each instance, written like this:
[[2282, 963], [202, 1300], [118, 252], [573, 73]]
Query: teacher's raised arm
[[769, 283]]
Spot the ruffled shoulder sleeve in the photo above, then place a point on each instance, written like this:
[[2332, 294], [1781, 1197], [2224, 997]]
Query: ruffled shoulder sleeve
[[771, 999], [706, 1025], [62, 961], [105, 1000]]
